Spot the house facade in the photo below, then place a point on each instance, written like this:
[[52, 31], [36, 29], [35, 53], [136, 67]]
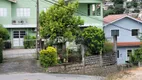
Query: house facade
[[128, 29], [19, 16]]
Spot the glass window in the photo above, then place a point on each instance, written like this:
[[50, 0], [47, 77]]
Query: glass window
[[3, 12], [129, 52], [23, 12], [94, 9], [135, 32], [117, 53]]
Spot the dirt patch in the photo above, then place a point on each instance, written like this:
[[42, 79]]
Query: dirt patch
[[131, 74]]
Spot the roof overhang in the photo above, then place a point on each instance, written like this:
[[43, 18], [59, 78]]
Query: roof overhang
[[120, 19], [14, 1], [128, 44], [20, 26]]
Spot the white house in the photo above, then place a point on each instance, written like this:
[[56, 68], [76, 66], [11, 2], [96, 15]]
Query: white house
[[128, 28]]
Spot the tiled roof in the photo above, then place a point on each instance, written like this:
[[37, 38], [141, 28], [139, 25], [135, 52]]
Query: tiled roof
[[124, 44], [111, 18]]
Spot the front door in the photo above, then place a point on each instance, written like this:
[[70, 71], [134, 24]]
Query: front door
[[18, 38]]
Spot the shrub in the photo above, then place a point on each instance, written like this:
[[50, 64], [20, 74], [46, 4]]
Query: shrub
[[4, 33], [29, 42], [93, 39], [137, 56], [1, 48], [48, 57], [108, 47]]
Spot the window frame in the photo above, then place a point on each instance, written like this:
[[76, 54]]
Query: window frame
[[3, 12], [134, 34], [23, 12], [128, 53], [90, 9]]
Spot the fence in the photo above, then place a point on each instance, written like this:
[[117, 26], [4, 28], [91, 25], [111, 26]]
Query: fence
[[92, 66]]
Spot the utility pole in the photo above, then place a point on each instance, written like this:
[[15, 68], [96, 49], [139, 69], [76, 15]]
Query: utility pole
[[37, 30], [115, 46]]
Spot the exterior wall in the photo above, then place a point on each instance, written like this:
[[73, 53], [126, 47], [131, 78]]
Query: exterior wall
[[5, 4], [124, 35], [90, 20], [123, 54]]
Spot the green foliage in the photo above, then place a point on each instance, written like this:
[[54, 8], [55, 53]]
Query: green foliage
[[108, 47], [59, 23], [137, 56], [48, 57], [93, 39], [116, 9], [29, 42], [74, 55], [108, 12], [1, 49], [4, 33]]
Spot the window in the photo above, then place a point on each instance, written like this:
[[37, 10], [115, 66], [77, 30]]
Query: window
[[135, 32], [114, 32], [94, 9], [23, 12], [129, 52], [117, 53], [3, 12]]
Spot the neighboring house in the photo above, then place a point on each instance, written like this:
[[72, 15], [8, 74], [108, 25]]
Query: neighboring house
[[128, 29], [19, 16]]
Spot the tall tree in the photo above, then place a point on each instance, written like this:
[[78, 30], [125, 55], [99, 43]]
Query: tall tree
[[59, 22]]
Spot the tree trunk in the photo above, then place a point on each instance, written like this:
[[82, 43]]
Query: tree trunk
[[64, 52], [139, 64], [83, 57], [101, 59]]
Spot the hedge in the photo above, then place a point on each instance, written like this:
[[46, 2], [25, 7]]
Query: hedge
[[1, 49]]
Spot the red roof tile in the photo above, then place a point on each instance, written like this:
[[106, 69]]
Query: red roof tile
[[120, 44], [111, 18]]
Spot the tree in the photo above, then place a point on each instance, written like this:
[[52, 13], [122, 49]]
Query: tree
[[137, 56], [4, 33], [116, 9], [59, 24], [94, 39]]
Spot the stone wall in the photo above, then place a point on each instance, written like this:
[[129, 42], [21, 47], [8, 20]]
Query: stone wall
[[89, 69]]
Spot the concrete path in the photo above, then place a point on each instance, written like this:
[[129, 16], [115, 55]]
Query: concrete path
[[42, 76]]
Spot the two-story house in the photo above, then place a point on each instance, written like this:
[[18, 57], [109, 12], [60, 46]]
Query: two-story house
[[19, 16], [128, 29]]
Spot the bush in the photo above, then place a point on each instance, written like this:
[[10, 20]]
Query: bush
[[1, 48], [4, 33], [108, 47], [48, 57], [29, 42], [74, 56], [137, 56]]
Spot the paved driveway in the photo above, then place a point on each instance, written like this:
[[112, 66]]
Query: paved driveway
[[42, 76], [20, 61], [19, 53]]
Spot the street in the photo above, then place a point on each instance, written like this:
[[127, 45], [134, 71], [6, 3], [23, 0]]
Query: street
[[44, 76]]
